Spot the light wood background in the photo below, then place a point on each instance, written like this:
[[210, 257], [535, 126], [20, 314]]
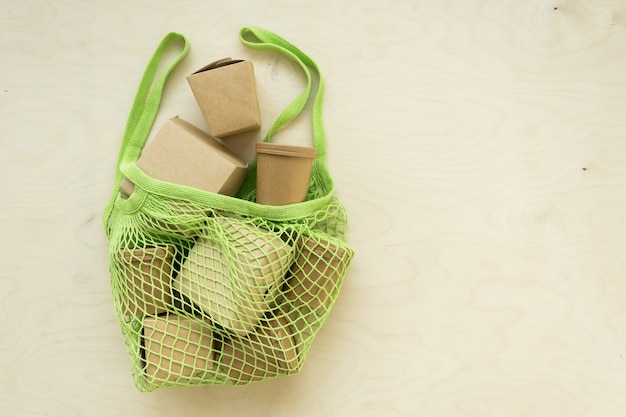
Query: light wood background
[[478, 145]]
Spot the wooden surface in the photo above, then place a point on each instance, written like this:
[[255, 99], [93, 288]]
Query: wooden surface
[[479, 147]]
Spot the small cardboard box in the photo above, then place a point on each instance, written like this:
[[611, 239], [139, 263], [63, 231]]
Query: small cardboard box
[[314, 276], [226, 93], [267, 352], [177, 349], [147, 288], [236, 284], [183, 154]]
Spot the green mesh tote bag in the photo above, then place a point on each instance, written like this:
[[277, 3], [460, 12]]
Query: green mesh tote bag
[[217, 289]]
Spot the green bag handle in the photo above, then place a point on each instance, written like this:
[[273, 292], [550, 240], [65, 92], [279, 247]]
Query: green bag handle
[[264, 40], [144, 112], [261, 39]]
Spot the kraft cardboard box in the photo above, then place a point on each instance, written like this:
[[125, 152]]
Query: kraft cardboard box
[[235, 285], [314, 275], [183, 154], [177, 349], [226, 93], [147, 288], [267, 352]]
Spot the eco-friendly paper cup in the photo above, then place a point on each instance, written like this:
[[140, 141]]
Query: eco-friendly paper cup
[[148, 272], [235, 278], [283, 173], [177, 349], [269, 351]]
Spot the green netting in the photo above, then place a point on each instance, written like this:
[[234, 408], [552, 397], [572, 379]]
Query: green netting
[[211, 289]]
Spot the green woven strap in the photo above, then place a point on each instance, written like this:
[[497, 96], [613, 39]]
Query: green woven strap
[[264, 40], [144, 110], [261, 39]]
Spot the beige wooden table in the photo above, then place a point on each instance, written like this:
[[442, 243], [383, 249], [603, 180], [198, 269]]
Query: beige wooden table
[[479, 147]]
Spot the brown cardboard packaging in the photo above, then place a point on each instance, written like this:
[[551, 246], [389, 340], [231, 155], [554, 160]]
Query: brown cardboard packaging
[[314, 275], [183, 154], [236, 280], [283, 173], [268, 351], [310, 284], [177, 349], [148, 272], [226, 93]]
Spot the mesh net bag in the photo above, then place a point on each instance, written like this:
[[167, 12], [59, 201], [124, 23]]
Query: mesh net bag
[[211, 289]]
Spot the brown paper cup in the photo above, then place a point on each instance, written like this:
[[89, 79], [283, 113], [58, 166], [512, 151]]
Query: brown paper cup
[[235, 283], [269, 351], [177, 349], [148, 272], [283, 173]]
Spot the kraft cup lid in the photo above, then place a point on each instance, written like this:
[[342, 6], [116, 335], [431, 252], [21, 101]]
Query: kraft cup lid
[[285, 150]]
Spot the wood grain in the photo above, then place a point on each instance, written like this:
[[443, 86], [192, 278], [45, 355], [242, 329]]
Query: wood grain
[[479, 147]]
